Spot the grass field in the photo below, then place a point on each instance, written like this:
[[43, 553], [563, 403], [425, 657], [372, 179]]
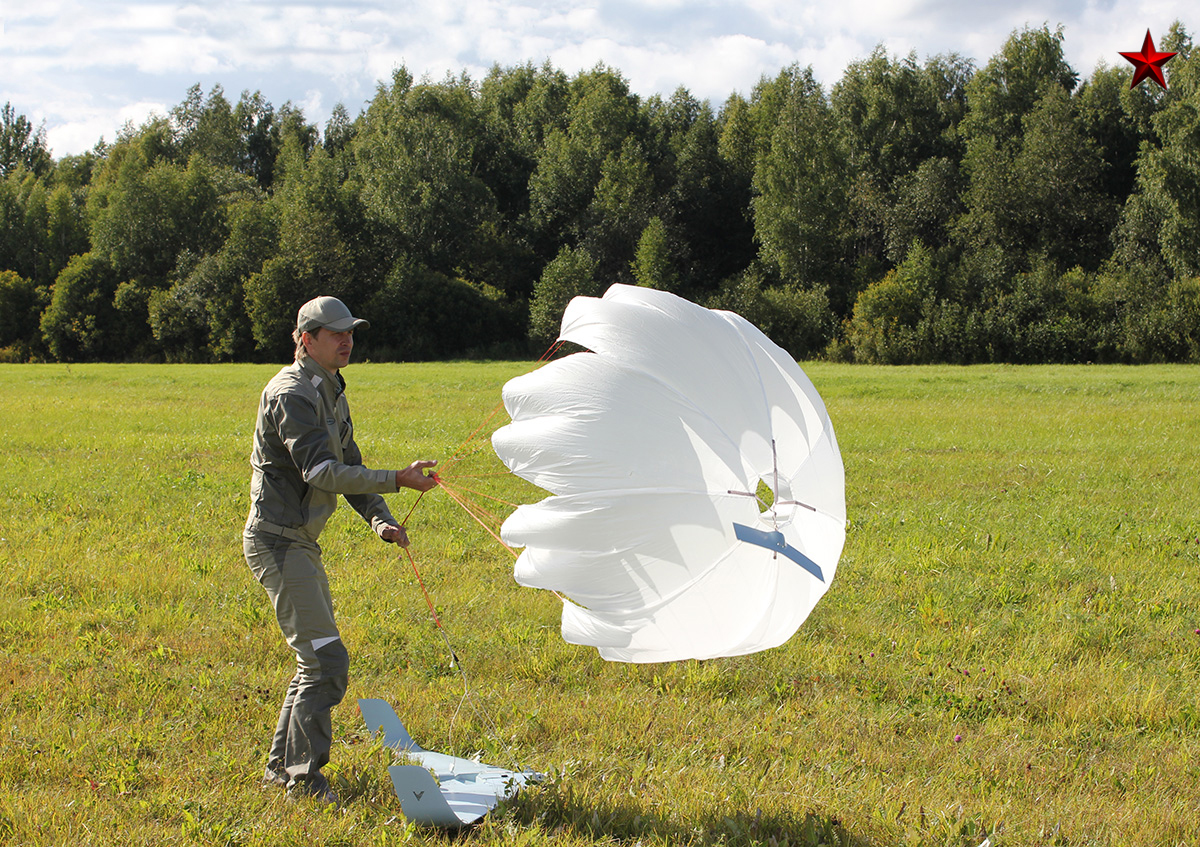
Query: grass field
[[1010, 649]]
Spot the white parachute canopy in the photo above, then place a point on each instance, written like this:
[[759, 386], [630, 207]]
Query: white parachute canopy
[[653, 446]]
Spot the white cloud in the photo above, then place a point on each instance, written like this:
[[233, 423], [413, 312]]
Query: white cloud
[[82, 133], [77, 65]]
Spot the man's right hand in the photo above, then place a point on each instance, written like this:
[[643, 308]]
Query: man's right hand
[[414, 477]]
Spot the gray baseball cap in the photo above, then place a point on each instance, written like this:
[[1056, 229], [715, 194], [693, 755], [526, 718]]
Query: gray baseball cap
[[328, 312]]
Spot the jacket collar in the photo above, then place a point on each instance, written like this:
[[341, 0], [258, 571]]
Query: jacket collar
[[329, 384]]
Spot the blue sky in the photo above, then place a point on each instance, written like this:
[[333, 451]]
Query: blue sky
[[83, 68]]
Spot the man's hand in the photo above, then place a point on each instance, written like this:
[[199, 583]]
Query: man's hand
[[412, 476], [394, 534]]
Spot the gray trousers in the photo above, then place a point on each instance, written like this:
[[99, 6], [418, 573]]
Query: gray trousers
[[294, 578]]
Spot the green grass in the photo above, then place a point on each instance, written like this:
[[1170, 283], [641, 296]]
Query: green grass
[[1008, 649]]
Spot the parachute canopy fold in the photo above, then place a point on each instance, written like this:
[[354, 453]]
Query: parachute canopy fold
[[653, 445]]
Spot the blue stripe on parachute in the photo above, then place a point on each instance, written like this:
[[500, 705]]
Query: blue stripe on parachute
[[775, 542]]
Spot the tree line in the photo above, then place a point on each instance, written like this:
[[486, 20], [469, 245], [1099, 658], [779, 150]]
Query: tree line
[[915, 212]]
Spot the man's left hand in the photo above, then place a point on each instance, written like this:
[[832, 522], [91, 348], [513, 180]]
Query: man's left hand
[[394, 534]]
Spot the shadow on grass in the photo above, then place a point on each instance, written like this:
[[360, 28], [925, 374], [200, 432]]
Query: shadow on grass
[[555, 808]]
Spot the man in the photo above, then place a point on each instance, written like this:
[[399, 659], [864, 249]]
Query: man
[[304, 456]]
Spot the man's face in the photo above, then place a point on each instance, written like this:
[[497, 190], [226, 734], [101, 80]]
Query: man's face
[[330, 350]]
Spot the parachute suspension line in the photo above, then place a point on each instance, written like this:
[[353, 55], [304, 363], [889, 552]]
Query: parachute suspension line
[[552, 350], [459, 454], [434, 476], [456, 663], [454, 660], [774, 486], [472, 509], [421, 582], [465, 450], [464, 497], [462, 452], [433, 611], [499, 500], [459, 495]]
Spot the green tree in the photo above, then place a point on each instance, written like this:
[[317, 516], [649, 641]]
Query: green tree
[[1161, 221], [144, 213], [799, 320], [886, 324], [654, 263], [419, 154], [572, 273], [443, 318], [620, 209], [339, 130], [208, 128], [1034, 175], [701, 198], [900, 121], [22, 235], [314, 256], [803, 185], [1013, 82], [202, 317], [21, 305], [1046, 316], [82, 323], [927, 202], [290, 126], [41, 226], [1157, 323], [75, 172], [738, 143], [66, 229], [737, 150], [1060, 202], [603, 114], [13, 249], [1118, 120], [36, 227], [21, 146], [254, 118], [519, 106], [896, 114]]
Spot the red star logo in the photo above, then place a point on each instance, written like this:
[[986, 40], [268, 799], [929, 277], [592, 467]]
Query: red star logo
[[1149, 63]]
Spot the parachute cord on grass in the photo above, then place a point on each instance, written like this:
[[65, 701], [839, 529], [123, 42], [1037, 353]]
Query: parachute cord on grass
[[468, 694], [454, 660]]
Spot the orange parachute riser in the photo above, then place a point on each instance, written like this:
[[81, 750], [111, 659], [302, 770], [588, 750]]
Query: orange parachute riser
[[460, 496], [474, 511]]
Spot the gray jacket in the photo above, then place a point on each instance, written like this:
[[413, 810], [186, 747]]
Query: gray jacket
[[304, 456]]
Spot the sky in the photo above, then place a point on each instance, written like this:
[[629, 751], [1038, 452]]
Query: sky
[[82, 69]]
